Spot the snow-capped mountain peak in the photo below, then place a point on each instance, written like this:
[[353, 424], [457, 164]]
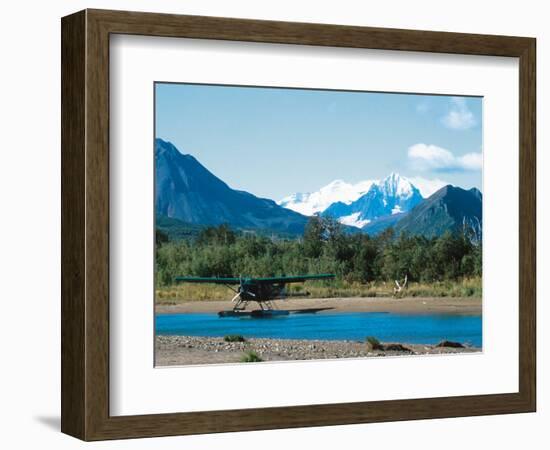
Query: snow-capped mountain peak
[[310, 203], [392, 195], [334, 185], [395, 185], [357, 204]]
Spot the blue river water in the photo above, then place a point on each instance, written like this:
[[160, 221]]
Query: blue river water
[[387, 327]]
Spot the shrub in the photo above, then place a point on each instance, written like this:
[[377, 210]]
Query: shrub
[[234, 338], [251, 357], [468, 291], [397, 348], [450, 344], [374, 343]]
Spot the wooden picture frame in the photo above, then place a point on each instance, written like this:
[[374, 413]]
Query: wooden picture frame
[[85, 224]]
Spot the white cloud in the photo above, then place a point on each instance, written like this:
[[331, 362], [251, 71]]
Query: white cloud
[[471, 161], [431, 157], [426, 186], [459, 117]]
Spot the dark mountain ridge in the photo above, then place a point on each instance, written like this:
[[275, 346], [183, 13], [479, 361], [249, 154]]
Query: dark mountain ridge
[[449, 209], [187, 191]]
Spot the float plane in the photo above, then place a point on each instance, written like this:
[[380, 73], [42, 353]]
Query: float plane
[[260, 290]]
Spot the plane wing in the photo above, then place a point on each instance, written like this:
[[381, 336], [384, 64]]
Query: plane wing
[[292, 279], [266, 280], [208, 280]]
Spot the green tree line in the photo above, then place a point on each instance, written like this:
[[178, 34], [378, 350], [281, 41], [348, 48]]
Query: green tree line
[[324, 248]]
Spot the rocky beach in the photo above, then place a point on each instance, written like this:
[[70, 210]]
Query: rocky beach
[[190, 350]]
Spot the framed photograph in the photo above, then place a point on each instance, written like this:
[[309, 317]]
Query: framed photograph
[[273, 225]]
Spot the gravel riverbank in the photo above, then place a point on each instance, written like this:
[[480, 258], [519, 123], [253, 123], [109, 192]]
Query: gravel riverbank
[[190, 350], [406, 305]]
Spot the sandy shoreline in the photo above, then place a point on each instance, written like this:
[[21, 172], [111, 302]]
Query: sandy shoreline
[[188, 350], [411, 305]]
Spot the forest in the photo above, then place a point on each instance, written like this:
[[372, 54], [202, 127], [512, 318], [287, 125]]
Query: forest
[[364, 265]]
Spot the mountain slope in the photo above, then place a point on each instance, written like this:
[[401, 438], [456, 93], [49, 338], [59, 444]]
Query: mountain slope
[[378, 225], [187, 191], [393, 195], [449, 209]]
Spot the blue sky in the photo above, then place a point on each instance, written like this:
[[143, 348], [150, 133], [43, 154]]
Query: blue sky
[[274, 142]]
